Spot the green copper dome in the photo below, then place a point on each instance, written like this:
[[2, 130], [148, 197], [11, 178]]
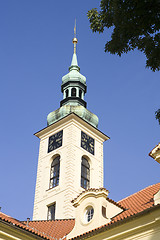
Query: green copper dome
[[67, 109], [74, 74], [73, 88]]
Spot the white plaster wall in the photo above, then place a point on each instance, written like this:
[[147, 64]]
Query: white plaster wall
[[70, 170], [96, 201]]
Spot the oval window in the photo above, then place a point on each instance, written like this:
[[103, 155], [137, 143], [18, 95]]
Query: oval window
[[89, 214]]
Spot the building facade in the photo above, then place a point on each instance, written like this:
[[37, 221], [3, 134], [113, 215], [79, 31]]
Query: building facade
[[70, 200], [70, 152]]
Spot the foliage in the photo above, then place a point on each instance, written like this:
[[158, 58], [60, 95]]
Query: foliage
[[157, 114], [135, 24]]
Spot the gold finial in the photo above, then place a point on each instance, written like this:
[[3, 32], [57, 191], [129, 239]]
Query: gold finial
[[75, 39]]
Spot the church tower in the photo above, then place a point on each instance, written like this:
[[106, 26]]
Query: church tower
[[71, 151]]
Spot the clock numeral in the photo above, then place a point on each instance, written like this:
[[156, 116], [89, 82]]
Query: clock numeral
[[51, 148]]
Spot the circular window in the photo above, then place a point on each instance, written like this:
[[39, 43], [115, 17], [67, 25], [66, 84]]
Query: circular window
[[89, 214]]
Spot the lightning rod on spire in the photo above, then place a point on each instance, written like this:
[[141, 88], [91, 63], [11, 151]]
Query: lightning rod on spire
[[75, 39], [75, 29]]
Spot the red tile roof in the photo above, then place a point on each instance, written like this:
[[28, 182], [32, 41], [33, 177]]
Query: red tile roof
[[139, 201], [14, 222], [134, 204], [55, 229], [45, 229]]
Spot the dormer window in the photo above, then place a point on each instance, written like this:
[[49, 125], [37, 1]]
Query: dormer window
[[104, 212], [89, 214]]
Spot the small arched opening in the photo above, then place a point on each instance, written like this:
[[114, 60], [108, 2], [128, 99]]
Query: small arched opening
[[67, 93], [80, 93], [73, 92]]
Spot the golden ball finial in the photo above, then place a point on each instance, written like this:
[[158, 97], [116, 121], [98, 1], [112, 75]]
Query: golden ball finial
[[74, 40]]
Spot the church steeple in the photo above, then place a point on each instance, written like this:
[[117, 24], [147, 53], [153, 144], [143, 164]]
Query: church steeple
[[71, 151], [73, 88], [74, 84]]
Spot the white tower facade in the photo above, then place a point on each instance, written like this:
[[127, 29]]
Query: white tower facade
[[70, 153]]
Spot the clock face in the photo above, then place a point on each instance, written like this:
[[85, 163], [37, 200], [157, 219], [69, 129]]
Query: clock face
[[87, 143], [55, 141]]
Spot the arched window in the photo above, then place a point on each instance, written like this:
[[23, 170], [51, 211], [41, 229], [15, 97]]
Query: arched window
[[85, 173], [73, 92], [54, 176], [80, 93], [66, 93]]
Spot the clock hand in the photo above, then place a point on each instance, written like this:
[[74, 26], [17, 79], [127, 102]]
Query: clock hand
[[58, 139]]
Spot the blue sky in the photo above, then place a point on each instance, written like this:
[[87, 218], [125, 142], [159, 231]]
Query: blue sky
[[35, 52]]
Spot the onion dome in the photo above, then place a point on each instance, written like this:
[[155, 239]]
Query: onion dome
[[73, 88]]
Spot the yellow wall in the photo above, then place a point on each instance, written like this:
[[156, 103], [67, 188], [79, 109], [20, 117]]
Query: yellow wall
[[145, 227], [10, 232]]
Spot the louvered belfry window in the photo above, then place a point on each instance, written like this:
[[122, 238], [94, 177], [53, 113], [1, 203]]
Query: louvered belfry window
[[85, 173], [54, 176]]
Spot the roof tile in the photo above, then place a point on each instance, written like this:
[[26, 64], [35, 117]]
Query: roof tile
[[53, 228], [134, 204], [46, 229]]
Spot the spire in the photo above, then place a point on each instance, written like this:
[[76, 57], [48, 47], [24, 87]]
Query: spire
[[74, 89], [74, 63], [75, 39], [74, 83]]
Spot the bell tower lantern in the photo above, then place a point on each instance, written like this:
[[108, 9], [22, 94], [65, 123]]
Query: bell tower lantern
[[73, 84]]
